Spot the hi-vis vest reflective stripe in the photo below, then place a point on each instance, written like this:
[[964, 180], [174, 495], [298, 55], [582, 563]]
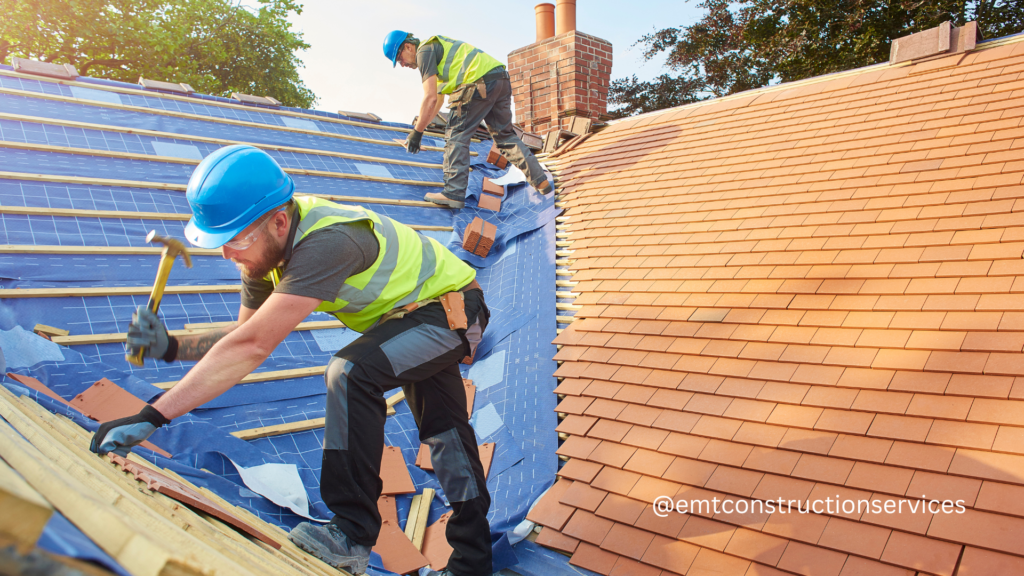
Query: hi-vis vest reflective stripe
[[410, 267], [460, 64]]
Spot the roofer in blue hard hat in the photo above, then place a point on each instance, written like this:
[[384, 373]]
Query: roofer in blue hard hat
[[478, 89], [418, 307]]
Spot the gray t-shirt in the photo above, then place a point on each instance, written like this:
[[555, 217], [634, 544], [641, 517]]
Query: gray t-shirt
[[319, 264], [428, 58]]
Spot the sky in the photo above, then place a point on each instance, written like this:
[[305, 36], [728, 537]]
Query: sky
[[346, 68]]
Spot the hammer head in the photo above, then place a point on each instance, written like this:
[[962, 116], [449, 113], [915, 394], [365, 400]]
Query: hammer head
[[172, 247]]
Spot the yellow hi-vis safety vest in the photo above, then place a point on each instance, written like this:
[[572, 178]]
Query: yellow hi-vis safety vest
[[461, 64], [410, 266]]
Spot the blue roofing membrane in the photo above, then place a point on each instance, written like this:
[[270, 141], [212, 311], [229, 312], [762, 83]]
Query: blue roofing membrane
[[513, 369]]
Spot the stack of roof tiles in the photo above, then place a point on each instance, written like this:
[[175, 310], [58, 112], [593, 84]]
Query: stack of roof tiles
[[810, 291]]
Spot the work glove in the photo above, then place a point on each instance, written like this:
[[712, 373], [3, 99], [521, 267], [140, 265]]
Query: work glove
[[147, 331], [121, 435], [412, 143]]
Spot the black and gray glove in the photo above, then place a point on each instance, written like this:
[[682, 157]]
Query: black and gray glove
[[121, 435], [147, 331], [412, 143]]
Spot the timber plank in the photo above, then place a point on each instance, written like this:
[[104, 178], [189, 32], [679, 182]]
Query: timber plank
[[205, 139], [176, 160], [181, 188], [120, 336], [26, 512]]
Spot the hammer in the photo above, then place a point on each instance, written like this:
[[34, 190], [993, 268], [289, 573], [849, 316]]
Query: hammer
[[172, 248]]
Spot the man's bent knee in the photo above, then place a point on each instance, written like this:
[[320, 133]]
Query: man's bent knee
[[336, 377]]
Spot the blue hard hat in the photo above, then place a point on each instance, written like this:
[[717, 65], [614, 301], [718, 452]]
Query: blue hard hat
[[229, 190], [393, 44]]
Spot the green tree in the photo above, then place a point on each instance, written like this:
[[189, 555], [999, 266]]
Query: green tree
[[213, 45], [747, 44]]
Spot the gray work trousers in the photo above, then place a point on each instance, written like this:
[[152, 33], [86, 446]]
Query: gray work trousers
[[420, 353], [496, 110]]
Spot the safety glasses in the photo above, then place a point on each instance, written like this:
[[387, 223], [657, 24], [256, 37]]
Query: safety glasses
[[249, 239]]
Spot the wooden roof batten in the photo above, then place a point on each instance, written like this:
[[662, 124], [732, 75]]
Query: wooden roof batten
[[771, 341]]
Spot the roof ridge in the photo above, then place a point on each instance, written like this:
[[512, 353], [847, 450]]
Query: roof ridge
[[994, 43]]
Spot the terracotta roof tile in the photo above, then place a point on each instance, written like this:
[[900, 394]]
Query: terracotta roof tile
[[671, 554], [706, 533], [649, 462], [900, 427], [733, 480], [639, 415], [1001, 498], [628, 567], [880, 478], [573, 405], [577, 447], [823, 469], [756, 546], [962, 434], [621, 509], [627, 541], [608, 430], [933, 383], [834, 300], [976, 562], [909, 515], [744, 409], [830, 397], [687, 471], [614, 480], [844, 421], [945, 407], [587, 527], [602, 408], [683, 445], [796, 526], [552, 538], [548, 511], [668, 525], [808, 560], [860, 448], [725, 452], [593, 558], [576, 425], [808, 441], [577, 469], [854, 538], [581, 495], [712, 563]]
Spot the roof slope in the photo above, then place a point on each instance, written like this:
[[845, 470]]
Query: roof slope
[[809, 291], [88, 167]]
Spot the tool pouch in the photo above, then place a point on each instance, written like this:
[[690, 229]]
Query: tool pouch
[[463, 95], [455, 309]]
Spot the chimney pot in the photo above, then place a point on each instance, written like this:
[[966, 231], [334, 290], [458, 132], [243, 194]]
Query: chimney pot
[[565, 16], [545, 21]]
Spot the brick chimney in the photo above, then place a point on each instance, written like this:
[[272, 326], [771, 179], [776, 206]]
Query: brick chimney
[[560, 76]]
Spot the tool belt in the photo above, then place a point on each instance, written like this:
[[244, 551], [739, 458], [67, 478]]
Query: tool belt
[[454, 308], [463, 95]]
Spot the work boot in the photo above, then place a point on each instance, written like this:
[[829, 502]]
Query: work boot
[[329, 543], [438, 198]]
